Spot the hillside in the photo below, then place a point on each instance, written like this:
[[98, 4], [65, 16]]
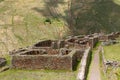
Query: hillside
[[98, 16], [21, 25], [24, 22]]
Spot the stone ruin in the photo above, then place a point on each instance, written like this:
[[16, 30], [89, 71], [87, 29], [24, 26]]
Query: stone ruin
[[107, 37], [42, 59], [83, 42], [2, 62], [46, 55], [56, 54], [109, 42], [113, 63]]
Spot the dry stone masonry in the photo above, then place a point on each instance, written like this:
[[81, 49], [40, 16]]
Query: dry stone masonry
[[58, 54], [2, 62]]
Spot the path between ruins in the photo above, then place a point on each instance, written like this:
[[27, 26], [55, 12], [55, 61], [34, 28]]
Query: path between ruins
[[94, 73]]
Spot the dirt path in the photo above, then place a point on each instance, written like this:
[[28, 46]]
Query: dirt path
[[94, 69]]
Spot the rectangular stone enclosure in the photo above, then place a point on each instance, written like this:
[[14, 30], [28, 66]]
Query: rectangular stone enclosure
[[42, 59]]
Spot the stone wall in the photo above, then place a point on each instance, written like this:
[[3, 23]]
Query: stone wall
[[53, 62], [93, 41], [84, 65], [77, 42], [116, 34], [103, 59], [103, 38], [55, 44], [2, 62], [111, 36], [46, 43], [57, 54], [42, 62]]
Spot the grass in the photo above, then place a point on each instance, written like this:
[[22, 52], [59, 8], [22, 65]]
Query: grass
[[113, 73], [22, 26], [37, 75], [25, 26], [28, 25], [112, 52], [103, 76], [19, 74], [8, 58]]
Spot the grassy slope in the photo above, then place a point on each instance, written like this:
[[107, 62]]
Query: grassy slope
[[22, 21], [21, 25]]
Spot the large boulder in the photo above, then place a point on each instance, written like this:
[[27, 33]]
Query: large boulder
[[2, 62]]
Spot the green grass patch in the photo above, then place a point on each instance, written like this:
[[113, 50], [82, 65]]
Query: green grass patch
[[8, 59], [112, 52], [37, 75], [22, 74], [113, 73], [103, 75]]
